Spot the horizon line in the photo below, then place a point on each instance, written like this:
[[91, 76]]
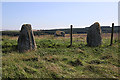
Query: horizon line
[[47, 29]]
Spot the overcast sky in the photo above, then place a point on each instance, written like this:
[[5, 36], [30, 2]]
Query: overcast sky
[[52, 15]]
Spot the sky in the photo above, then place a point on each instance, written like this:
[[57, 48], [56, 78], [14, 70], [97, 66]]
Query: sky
[[55, 15], [119, 13]]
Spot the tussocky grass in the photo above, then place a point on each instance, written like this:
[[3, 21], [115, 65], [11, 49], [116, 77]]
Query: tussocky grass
[[53, 59]]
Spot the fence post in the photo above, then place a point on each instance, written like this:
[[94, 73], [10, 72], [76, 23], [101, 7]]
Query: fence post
[[112, 34], [71, 35], [119, 33]]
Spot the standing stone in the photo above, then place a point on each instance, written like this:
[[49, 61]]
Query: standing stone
[[59, 33], [94, 35], [26, 40]]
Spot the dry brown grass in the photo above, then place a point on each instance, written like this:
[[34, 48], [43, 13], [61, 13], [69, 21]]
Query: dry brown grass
[[67, 36]]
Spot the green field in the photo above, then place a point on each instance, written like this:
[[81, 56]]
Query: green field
[[53, 59]]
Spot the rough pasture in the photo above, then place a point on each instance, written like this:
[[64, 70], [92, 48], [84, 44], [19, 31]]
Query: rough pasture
[[53, 59]]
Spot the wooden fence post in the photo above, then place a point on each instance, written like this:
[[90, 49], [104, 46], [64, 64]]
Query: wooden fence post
[[71, 35], [119, 33], [112, 34]]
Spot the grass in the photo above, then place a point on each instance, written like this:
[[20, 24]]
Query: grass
[[53, 59]]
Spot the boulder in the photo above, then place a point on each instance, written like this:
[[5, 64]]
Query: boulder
[[94, 38], [26, 40]]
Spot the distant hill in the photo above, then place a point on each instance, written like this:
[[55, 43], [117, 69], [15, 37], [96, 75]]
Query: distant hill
[[105, 29]]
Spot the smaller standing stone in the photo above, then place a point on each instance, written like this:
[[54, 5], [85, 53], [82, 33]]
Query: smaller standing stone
[[94, 35], [26, 40], [59, 33]]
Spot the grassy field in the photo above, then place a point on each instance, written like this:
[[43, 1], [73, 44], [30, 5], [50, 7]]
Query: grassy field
[[53, 58]]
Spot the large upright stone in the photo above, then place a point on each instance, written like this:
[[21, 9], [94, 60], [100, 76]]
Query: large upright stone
[[94, 35], [26, 40]]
